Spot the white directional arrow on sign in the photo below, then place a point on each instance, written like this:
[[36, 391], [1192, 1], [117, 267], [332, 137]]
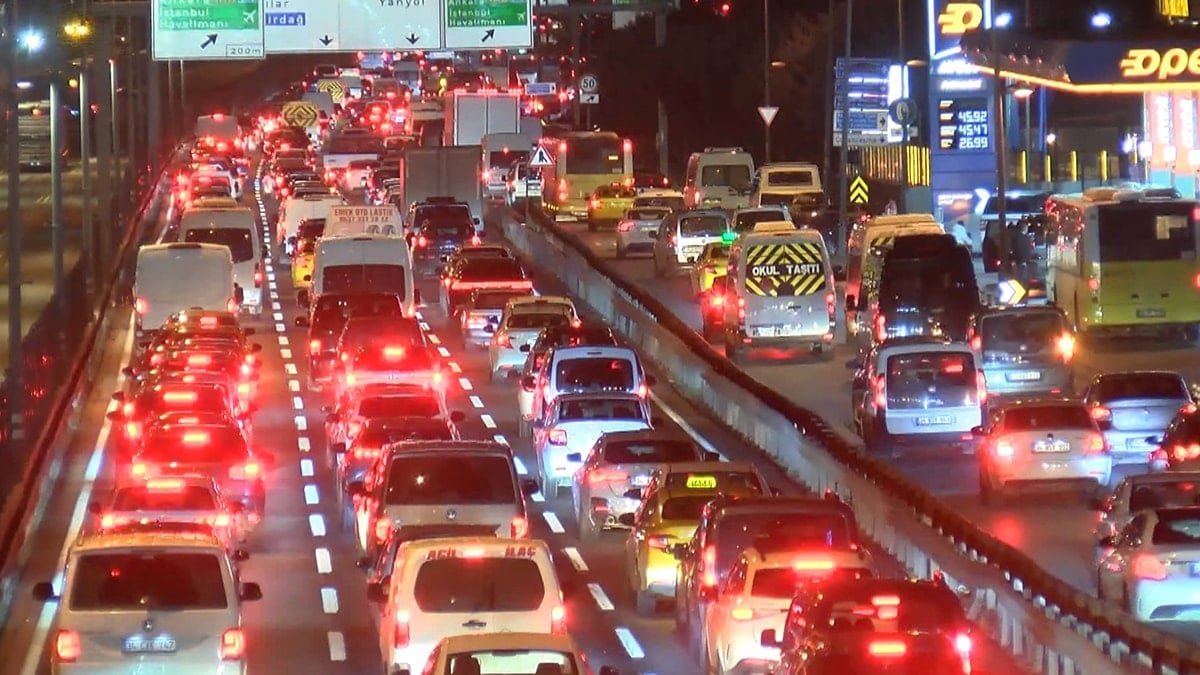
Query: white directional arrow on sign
[[767, 113]]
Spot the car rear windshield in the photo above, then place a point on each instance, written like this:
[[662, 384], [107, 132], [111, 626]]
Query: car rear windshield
[[932, 380], [450, 479], [736, 176], [491, 269], [479, 585], [355, 144], [394, 431], [538, 320], [779, 531], [1157, 494], [1142, 232], [194, 446], [496, 300], [399, 406], [745, 222], [349, 278], [400, 355], [147, 580], [1141, 385], [506, 157], [595, 373], [920, 610], [650, 452], [191, 399], [515, 661], [781, 583], [441, 212], [647, 214], [1047, 418], [799, 178], [1031, 332], [333, 311], [702, 226], [686, 508], [183, 498], [942, 283], [445, 229], [311, 228], [1182, 527], [239, 240], [600, 409]]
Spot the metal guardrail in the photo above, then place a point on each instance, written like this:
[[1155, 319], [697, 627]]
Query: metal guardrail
[[1039, 618]]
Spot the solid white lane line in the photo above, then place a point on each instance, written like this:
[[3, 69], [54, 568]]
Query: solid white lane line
[[600, 597], [630, 643], [307, 470], [499, 438], [91, 473], [310, 495], [488, 421], [286, 354], [687, 428], [316, 523], [297, 403], [464, 383], [303, 444], [476, 401], [552, 520], [576, 559], [283, 341], [324, 561], [444, 352], [329, 600], [290, 369], [337, 645], [294, 385]]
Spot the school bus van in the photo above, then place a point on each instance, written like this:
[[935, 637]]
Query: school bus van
[[880, 232], [781, 290]]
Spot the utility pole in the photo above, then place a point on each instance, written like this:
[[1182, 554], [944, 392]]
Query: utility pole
[[14, 377], [56, 187], [85, 182], [844, 106], [102, 77], [766, 78], [1001, 149], [904, 126], [660, 41], [830, 88]]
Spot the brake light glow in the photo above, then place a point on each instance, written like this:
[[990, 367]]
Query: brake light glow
[[624, 226], [606, 476], [67, 646], [716, 300], [383, 527], [1004, 449], [887, 648], [400, 634], [741, 613], [741, 315], [180, 397], [393, 353], [314, 346], [1149, 567], [199, 360], [196, 438], [233, 644], [981, 387], [139, 469], [133, 430], [880, 391], [422, 242], [165, 485], [886, 600], [709, 565], [558, 620], [1094, 284], [822, 565], [1065, 344], [830, 301], [141, 306], [558, 437], [1095, 445], [880, 328], [518, 527], [1183, 453], [1101, 413], [962, 643], [977, 343], [475, 240]]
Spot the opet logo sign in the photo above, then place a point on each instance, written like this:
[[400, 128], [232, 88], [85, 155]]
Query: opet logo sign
[[1164, 65], [959, 17]]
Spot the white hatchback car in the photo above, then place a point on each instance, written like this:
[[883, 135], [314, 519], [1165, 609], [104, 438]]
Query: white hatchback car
[[1154, 569], [635, 231], [145, 597], [523, 320], [573, 424]]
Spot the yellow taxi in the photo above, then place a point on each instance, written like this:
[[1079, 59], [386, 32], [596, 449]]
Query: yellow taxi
[[712, 263], [672, 504], [609, 204], [302, 262]]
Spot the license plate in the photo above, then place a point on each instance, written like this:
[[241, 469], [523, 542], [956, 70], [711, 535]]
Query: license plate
[[149, 645], [692, 251], [1195, 568], [936, 420], [1151, 313], [640, 481], [1136, 444], [767, 331], [394, 377], [1052, 446], [1024, 376]]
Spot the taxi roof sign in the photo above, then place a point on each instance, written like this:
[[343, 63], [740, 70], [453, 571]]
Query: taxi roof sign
[[695, 482]]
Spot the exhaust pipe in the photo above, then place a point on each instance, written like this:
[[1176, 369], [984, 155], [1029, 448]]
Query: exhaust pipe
[[610, 520]]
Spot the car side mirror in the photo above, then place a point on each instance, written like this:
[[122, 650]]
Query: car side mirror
[[633, 493], [627, 519], [575, 457], [43, 591], [250, 591], [490, 328], [301, 321], [376, 592], [95, 508], [529, 486], [978, 432], [338, 448], [241, 554], [457, 416], [524, 349], [356, 489], [128, 371], [710, 456], [1107, 542], [768, 639], [851, 305]]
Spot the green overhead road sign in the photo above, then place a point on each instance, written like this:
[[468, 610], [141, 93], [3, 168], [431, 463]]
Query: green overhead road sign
[[488, 24], [198, 30]]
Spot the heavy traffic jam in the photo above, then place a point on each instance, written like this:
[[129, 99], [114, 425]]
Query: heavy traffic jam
[[350, 248]]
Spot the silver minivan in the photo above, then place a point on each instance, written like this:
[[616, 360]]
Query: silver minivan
[[1024, 351], [681, 237]]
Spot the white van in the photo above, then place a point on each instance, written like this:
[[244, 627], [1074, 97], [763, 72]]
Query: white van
[[719, 178], [366, 262], [881, 231], [293, 210], [345, 220], [236, 229], [578, 370], [500, 150], [175, 277], [778, 184], [782, 280], [466, 585]]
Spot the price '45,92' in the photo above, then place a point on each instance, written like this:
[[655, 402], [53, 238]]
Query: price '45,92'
[[973, 116]]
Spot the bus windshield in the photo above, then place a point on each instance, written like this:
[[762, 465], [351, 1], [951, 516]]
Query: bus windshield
[[1141, 232], [595, 155]]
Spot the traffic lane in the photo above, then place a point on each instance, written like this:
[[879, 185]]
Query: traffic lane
[[606, 557]]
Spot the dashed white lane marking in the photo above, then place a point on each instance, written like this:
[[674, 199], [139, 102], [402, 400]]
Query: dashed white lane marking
[[499, 438], [601, 598], [303, 444], [521, 470], [337, 645], [576, 559], [290, 369], [687, 428], [329, 600], [537, 497], [552, 520], [270, 274], [294, 385], [476, 401], [283, 341], [307, 470], [488, 421], [316, 523], [276, 306], [433, 339], [285, 353], [424, 326], [278, 316], [311, 497], [465, 384], [297, 403], [444, 352], [630, 643], [279, 328], [324, 561]]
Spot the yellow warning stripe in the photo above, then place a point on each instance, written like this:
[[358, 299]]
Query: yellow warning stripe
[[775, 256]]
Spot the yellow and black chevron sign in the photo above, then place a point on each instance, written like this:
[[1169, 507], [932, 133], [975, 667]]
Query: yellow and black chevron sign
[[860, 192], [791, 269]]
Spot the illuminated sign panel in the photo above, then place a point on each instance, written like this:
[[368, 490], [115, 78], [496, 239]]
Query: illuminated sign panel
[[963, 124], [949, 20], [1153, 64], [1174, 8]]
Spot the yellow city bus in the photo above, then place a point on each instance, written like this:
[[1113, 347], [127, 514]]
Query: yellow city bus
[[1125, 261], [583, 161]]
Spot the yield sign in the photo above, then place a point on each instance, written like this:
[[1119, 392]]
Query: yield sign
[[767, 113], [541, 158]]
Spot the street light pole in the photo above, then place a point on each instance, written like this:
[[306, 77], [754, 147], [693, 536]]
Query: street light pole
[[85, 180], [844, 150], [1001, 150], [56, 187], [16, 392], [766, 78], [904, 93]]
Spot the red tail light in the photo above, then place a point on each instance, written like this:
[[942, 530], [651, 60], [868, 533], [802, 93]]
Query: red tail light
[[233, 645], [400, 633], [981, 387], [383, 527], [1149, 567], [977, 343], [1101, 413], [887, 649], [963, 643], [880, 387], [199, 360], [1095, 445], [67, 646], [558, 437], [708, 564], [606, 476], [880, 328], [503, 340], [422, 242], [518, 527], [141, 306], [365, 453], [830, 302], [248, 471], [314, 346], [558, 620], [258, 275], [139, 470], [475, 240], [133, 430], [625, 226], [716, 299], [1183, 453], [1065, 344], [741, 315]]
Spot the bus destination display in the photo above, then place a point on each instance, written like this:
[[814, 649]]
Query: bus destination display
[[963, 124]]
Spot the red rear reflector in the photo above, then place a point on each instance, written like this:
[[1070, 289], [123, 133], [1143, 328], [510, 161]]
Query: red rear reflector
[[67, 646], [233, 644]]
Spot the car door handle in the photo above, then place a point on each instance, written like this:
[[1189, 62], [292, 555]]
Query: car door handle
[[474, 624]]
